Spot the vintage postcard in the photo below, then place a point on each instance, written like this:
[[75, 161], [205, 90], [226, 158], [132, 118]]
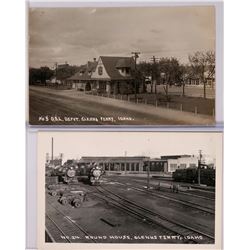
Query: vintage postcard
[[122, 65], [139, 190]]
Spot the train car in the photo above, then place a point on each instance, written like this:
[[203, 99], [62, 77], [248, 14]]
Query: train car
[[190, 175]]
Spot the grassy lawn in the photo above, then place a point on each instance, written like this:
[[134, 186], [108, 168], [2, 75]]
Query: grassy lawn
[[186, 103]]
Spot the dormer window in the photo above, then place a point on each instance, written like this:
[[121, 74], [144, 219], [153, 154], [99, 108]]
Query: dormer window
[[100, 70]]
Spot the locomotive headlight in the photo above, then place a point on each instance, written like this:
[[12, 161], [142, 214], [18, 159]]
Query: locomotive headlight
[[71, 173], [96, 172]]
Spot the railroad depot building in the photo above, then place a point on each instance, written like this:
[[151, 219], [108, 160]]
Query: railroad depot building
[[109, 74], [113, 75]]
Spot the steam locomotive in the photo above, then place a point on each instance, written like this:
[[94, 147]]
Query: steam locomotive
[[72, 173]]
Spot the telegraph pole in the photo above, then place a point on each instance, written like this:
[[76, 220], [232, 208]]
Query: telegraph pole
[[199, 167], [56, 71], [148, 173], [136, 55], [154, 59], [52, 151]]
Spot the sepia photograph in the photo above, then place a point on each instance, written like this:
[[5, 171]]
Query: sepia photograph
[[122, 65], [160, 188]]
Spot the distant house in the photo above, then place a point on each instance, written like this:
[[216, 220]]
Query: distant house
[[81, 80], [194, 78]]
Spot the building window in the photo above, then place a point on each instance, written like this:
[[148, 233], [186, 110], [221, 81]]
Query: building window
[[173, 167], [122, 167], [106, 166], [132, 167], [137, 167], [157, 167], [111, 166], [117, 167], [183, 165], [100, 70], [192, 165], [127, 166]]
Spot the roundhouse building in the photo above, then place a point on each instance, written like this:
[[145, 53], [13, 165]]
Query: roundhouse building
[[126, 164], [141, 164]]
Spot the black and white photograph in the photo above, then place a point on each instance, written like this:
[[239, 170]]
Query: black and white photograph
[[122, 65], [130, 188]]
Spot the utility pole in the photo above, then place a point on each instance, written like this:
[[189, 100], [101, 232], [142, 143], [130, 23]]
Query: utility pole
[[204, 83], [199, 167], [154, 59], [147, 164], [56, 64], [125, 166], [52, 151], [136, 55]]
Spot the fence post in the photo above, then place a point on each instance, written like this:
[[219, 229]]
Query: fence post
[[145, 101], [156, 103], [181, 107], [167, 105], [121, 97], [128, 98], [195, 110], [136, 100], [213, 112]]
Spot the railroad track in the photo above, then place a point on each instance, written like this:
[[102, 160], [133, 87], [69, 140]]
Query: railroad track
[[185, 203], [186, 233], [64, 229], [53, 228], [182, 192]]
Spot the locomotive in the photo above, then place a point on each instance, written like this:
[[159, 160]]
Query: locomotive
[[71, 173]]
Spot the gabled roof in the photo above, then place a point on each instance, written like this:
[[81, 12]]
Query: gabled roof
[[111, 62], [125, 62], [85, 72]]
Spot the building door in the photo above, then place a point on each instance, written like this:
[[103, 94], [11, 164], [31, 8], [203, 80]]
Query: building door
[[108, 88]]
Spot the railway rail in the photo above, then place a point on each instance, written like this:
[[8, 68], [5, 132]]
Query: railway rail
[[65, 228], [52, 227], [182, 192], [187, 233], [183, 202], [167, 189]]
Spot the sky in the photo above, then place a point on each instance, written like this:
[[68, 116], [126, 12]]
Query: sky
[[74, 145], [76, 35]]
